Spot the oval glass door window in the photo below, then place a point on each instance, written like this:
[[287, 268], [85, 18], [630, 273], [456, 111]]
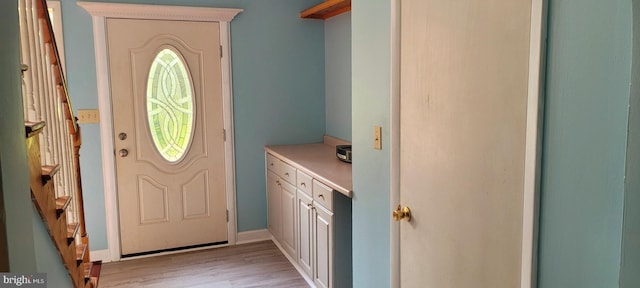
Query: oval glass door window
[[170, 104]]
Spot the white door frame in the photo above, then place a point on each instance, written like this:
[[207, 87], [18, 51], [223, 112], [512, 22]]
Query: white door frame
[[100, 12], [535, 100]]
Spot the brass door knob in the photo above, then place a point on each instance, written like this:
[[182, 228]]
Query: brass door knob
[[402, 213]]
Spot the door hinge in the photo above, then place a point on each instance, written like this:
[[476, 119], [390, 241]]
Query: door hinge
[[220, 51], [224, 134], [227, 215]]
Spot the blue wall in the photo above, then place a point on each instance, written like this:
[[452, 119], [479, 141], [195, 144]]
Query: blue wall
[[278, 87], [337, 34], [585, 129], [30, 248], [371, 38]]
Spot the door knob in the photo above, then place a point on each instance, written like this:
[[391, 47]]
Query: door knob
[[123, 152], [402, 213], [122, 136]]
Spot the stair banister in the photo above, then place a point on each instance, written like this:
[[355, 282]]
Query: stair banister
[[55, 146]]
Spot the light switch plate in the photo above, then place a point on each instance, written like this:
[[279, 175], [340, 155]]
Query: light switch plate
[[88, 116], [377, 137]]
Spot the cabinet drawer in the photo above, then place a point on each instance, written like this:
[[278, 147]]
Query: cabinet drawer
[[304, 183], [272, 163], [323, 194], [287, 172]]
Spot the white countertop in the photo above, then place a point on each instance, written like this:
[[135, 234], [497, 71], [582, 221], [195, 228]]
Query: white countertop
[[319, 161]]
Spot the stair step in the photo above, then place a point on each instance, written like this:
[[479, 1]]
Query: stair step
[[61, 204], [96, 266], [92, 272], [80, 251], [72, 230], [48, 171], [33, 128]]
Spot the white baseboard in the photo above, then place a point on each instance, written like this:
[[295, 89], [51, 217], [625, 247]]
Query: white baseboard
[[100, 255], [253, 236]]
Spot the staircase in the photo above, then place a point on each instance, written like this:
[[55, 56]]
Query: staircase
[[53, 211], [53, 142]]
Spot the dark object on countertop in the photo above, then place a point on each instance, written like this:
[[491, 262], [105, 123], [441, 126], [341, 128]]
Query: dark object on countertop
[[343, 152]]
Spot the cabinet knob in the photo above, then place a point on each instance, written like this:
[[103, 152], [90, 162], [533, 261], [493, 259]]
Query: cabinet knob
[[309, 205], [321, 196], [303, 184], [286, 174]]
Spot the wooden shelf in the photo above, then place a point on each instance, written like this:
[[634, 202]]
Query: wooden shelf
[[327, 9]]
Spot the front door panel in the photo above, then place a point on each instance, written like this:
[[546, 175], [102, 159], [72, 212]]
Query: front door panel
[[168, 126]]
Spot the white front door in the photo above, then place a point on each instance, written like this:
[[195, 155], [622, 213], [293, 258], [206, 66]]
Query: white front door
[[169, 133], [463, 113]]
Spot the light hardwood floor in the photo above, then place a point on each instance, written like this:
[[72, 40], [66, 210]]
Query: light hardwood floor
[[259, 264]]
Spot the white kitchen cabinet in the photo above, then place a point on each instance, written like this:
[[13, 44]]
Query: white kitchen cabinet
[[315, 226], [305, 235], [322, 247], [314, 223], [281, 203], [274, 202], [288, 218]]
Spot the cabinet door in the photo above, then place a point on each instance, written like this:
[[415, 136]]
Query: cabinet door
[[288, 218], [323, 247], [305, 236], [273, 204]]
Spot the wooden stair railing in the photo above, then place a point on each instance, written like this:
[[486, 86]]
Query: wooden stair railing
[[53, 149]]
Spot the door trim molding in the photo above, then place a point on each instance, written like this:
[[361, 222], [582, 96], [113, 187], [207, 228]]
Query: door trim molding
[[533, 143], [394, 131], [159, 12], [100, 12]]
